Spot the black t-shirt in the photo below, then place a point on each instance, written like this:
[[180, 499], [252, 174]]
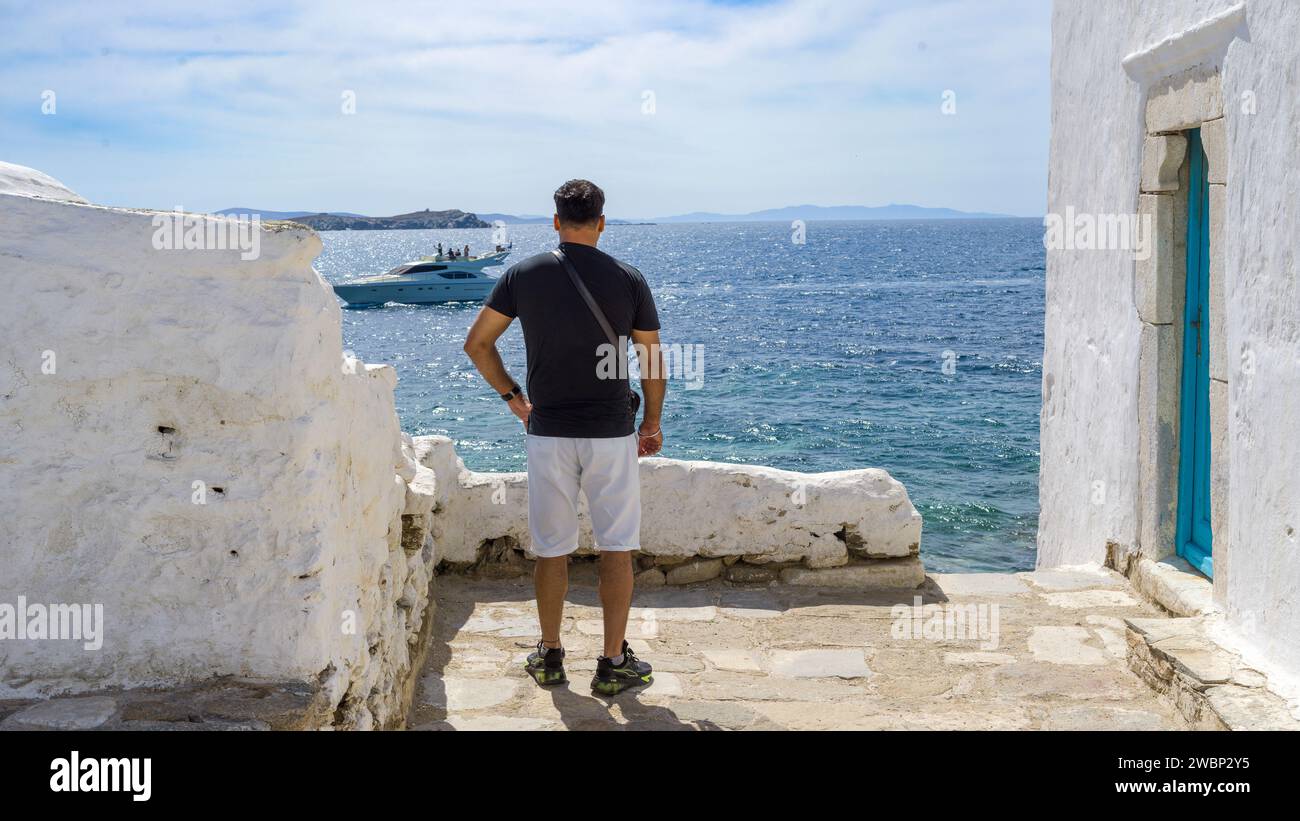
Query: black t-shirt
[[563, 339]]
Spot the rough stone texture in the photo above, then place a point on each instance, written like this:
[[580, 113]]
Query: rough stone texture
[[1184, 101], [1158, 277], [1206, 682], [1214, 139], [890, 574], [86, 713], [980, 584], [231, 375], [221, 704], [1089, 599], [1101, 115], [654, 577], [1172, 584], [752, 574], [792, 658], [1216, 323], [1162, 156], [1158, 437], [695, 571], [1221, 457], [690, 509]]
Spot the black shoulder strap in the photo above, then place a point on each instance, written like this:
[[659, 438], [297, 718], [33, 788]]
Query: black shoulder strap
[[588, 298]]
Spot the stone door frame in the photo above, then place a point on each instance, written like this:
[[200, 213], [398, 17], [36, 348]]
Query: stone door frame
[[1192, 99]]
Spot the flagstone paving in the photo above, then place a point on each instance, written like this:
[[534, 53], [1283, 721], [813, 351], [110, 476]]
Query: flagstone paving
[[1051, 655]]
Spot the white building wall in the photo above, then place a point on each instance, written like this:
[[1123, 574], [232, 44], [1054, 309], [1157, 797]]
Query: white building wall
[[1089, 416], [241, 361]]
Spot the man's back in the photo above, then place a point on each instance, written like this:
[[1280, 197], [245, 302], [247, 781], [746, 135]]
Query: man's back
[[563, 338], [581, 438]]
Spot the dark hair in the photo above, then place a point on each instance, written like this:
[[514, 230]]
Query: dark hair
[[579, 202]]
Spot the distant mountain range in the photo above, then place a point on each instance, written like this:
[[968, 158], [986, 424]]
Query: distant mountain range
[[534, 219], [455, 218], [834, 212]]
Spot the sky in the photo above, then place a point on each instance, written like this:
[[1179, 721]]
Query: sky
[[672, 106]]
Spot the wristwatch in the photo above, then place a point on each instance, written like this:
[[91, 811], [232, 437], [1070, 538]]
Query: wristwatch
[[515, 390]]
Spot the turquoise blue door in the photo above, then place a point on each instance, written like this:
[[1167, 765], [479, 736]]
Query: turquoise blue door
[[1194, 536]]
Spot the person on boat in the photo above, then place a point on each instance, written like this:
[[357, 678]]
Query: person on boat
[[466, 252], [439, 251], [580, 420]]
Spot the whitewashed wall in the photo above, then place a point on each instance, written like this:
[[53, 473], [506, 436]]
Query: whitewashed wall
[[692, 508], [242, 362], [1090, 366]]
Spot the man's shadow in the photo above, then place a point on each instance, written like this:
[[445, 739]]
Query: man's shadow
[[577, 708]]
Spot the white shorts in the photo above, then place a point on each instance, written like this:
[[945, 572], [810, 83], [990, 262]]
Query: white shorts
[[606, 470]]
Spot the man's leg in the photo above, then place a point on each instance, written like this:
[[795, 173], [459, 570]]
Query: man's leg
[[553, 480], [611, 480], [551, 581], [615, 597]]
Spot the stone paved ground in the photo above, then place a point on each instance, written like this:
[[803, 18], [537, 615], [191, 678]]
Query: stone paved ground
[[790, 658]]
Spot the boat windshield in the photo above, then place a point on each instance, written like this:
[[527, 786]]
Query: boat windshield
[[418, 268]]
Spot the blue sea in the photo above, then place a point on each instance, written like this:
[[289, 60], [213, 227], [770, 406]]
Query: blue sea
[[911, 346]]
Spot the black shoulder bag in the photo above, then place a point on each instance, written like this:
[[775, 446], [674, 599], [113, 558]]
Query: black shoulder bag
[[633, 398]]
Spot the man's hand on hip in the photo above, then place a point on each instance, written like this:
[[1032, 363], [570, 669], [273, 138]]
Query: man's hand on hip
[[521, 407]]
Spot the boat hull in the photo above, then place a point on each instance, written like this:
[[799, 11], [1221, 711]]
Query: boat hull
[[414, 293]]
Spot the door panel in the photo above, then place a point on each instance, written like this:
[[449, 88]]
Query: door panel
[[1195, 538]]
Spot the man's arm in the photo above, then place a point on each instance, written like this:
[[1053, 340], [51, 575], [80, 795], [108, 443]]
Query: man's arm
[[654, 384], [481, 345]]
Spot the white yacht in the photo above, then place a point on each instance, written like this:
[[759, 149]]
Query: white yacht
[[427, 281]]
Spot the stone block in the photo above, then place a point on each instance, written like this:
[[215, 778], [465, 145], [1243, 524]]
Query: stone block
[[1214, 137], [701, 570], [1162, 156], [837, 663], [1220, 460], [1243, 708], [871, 575], [65, 714], [1216, 325], [980, 584], [1079, 577], [1184, 102], [734, 660], [654, 577], [1173, 584], [742, 573], [1159, 274], [1089, 599], [1159, 359], [1064, 644]]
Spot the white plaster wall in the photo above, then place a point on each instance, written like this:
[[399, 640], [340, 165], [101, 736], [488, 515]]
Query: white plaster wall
[[694, 509], [243, 360], [1089, 418]]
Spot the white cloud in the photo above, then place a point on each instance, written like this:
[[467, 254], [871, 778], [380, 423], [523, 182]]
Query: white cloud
[[487, 106]]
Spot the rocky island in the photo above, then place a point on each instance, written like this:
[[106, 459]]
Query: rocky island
[[453, 218]]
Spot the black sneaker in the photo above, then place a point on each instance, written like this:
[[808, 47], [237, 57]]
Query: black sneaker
[[546, 665], [611, 680]]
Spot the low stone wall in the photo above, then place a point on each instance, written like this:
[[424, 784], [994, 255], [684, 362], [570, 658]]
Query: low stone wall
[[185, 448], [701, 520]]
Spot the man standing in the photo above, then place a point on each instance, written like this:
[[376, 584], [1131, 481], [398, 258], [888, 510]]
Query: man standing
[[580, 420]]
